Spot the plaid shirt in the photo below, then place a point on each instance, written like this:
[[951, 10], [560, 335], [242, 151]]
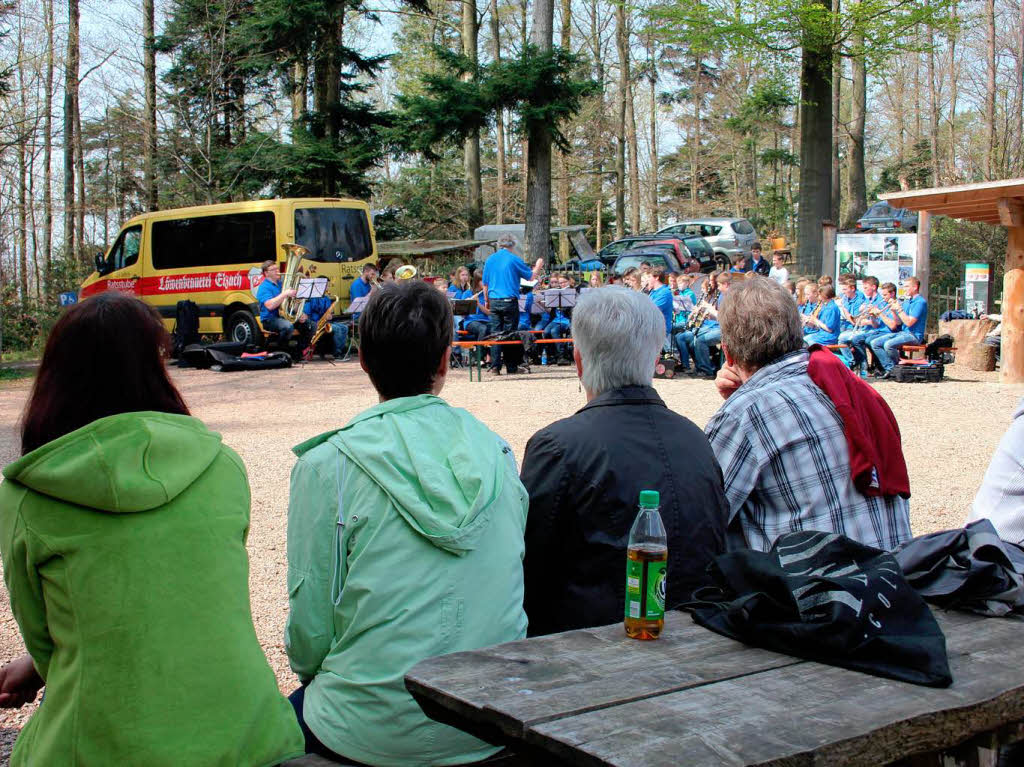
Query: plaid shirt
[[783, 452]]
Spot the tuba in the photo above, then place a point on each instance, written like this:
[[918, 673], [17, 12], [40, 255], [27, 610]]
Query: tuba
[[405, 272], [291, 308]]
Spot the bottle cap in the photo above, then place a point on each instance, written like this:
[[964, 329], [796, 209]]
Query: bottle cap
[[650, 499]]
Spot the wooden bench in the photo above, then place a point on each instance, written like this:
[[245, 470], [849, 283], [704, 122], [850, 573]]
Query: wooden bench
[[911, 349]]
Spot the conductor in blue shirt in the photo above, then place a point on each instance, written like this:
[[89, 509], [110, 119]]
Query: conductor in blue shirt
[[502, 272], [913, 313]]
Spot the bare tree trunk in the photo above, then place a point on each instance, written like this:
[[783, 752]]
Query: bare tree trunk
[[471, 146], [815, 153], [933, 112], [70, 98], [499, 213], [698, 101], [149, 121], [990, 91], [622, 46], [538, 174], [856, 177], [953, 80], [300, 77], [80, 172], [595, 42], [48, 153], [837, 84], [563, 157], [1020, 89], [634, 163], [653, 185], [22, 139]]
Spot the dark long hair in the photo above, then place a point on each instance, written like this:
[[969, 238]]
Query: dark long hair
[[103, 357]]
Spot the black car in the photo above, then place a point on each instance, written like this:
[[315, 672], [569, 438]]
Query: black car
[[631, 259]]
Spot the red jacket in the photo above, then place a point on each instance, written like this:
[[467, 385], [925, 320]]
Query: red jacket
[[872, 434]]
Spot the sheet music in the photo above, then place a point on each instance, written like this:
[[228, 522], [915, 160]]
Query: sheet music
[[315, 287]]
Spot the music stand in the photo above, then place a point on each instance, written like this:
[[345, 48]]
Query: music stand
[[560, 298], [312, 287], [358, 304]]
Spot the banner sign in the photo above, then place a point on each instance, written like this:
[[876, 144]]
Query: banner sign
[[977, 278], [66, 299], [888, 257]]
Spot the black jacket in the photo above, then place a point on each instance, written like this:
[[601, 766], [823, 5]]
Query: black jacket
[[584, 475], [762, 266]]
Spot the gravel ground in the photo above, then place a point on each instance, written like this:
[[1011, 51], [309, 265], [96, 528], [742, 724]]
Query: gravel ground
[[949, 430]]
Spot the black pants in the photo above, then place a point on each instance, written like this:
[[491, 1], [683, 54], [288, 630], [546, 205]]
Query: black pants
[[504, 319], [313, 744]]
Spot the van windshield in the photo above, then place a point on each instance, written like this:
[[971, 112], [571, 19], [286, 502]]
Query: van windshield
[[333, 234]]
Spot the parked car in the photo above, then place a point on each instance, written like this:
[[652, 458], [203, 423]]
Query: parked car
[[688, 246], [882, 217], [631, 259], [729, 237]]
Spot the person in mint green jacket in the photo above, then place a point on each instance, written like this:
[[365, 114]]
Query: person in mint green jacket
[[405, 541], [122, 530]]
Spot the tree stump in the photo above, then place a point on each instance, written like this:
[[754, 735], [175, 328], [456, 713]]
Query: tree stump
[[981, 357]]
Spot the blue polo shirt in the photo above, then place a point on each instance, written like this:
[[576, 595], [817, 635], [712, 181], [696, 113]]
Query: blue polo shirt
[[711, 323], [502, 273], [267, 291], [316, 308], [358, 289], [875, 300], [662, 298], [852, 305], [524, 314], [916, 307], [479, 316]]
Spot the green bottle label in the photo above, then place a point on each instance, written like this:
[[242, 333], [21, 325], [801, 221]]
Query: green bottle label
[[645, 589]]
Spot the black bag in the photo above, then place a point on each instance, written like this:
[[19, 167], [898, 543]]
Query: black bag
[[196, 355], [230, 362], [186, 327], [966, 569], [917, 373], [827, 598], [932, 351], [512, 356]]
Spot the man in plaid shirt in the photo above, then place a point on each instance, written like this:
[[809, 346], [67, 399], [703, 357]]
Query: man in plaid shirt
[[780, 440]]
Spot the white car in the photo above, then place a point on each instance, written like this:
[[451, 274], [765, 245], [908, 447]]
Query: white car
[[730, 237]]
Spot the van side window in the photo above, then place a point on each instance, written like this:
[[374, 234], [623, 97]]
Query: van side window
[[125, 251], [333, 234], [233, 238]]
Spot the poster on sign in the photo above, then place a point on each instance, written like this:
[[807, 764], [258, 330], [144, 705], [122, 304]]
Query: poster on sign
[[888, 257]]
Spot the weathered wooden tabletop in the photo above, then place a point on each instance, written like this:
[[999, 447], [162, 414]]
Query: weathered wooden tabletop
[[595, 697]]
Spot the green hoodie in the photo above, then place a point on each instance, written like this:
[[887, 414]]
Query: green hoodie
[[124, 554], [405, 541]]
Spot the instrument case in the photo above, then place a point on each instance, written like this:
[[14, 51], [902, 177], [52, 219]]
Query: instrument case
[[917, 373]]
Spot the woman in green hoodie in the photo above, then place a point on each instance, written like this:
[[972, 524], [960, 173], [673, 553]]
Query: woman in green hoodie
[[122, 530]]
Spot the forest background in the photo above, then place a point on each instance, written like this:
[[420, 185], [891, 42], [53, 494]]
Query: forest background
[[786, 112]]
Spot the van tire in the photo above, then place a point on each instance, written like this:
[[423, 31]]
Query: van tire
[[242, 327]]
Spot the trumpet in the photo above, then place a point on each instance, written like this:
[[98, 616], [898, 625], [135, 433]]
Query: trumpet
[[291, 308]]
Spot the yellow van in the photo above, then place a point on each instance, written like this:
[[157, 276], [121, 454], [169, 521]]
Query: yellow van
[[211, 254]]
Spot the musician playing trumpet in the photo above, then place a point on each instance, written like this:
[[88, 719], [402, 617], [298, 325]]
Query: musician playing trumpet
[[269, 296], [866, 323], [704, 331]]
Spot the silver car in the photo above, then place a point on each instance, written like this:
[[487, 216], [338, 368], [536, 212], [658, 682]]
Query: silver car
[[730, 237]]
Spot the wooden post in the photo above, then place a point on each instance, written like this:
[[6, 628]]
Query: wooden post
[[924, 250], [828, 247], [1013, 309]]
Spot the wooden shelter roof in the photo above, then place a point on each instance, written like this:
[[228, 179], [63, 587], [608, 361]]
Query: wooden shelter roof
[[992, 202]]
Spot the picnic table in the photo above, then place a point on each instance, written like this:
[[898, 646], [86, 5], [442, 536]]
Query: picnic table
[[693, 697]]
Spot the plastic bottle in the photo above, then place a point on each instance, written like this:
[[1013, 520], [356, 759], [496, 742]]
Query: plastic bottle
[[646, 569], [544, 357]]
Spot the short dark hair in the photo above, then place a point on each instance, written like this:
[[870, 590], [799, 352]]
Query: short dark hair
[[658, 273], [404, 332], [104, 356], [369, 267], [871, 280], [889, 287], [266, 265], [756, 246]]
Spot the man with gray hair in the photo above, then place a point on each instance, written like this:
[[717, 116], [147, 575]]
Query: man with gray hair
[[502, 272], [584, 475], [780, 439]]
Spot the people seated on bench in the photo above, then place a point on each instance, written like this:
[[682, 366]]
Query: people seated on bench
[[584, 474], [270, 297], [821, 315], [779, 438], [850, 302], [405, 541], [477, 325], [122, 530], [1001, 495], [867, 323], [699, 342], [333, 341], [912, 313], [559, 324]]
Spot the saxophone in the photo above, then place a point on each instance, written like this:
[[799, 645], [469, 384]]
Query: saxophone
[[700, 313], [323, 326]]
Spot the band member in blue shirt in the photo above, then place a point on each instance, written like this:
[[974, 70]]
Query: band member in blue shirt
[[699, 342], [362, 285], [269, 296], [502, 272], [821, 323], [913, 315], [757, 263], [868, 323], [850, 302], [661, 295], [559, 323], [336, 336]]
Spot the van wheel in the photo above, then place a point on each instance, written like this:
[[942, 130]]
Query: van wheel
[[242, 328]]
